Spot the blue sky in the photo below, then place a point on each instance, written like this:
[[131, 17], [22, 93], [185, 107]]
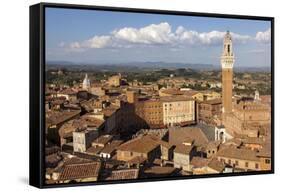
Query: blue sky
[[117, 37]]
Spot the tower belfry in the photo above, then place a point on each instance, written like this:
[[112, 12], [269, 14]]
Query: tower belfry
[[227, 61], [86, 83]]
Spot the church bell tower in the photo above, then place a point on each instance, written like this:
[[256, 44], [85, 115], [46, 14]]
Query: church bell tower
[[227, 61], [86, 83]]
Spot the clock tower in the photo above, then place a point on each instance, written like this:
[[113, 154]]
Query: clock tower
[[227, 61]]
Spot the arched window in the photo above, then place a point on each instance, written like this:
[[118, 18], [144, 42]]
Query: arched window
[[221, 136], [228, 48]]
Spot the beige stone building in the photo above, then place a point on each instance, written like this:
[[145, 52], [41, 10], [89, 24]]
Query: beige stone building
[[151, 111], [201, 165], [55, 120], [208, 110], [206, 95], [183, 155], [82, 139], [265, 157], [178, 109], [144, 147], [164, 111], [132, 97], [244, 159], [114, 81], [249, 117]]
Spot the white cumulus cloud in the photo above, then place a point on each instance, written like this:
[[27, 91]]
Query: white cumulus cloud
[[161, 34], [151, 34], [97, 42], [207, 38], [264, 36]]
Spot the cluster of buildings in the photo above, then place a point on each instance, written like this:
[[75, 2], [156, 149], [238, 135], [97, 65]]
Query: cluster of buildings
[[113, 130]]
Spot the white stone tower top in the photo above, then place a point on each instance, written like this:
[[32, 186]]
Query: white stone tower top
[[227, 57], [257, 95], [86, 83]]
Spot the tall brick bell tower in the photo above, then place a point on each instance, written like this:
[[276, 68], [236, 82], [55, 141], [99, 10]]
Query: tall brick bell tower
[[227, 61]]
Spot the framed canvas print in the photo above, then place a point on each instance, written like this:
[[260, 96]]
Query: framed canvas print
[[121, 95]]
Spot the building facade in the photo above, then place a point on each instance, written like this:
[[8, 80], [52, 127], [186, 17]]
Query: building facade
[[151, 111], [83, 139], [182, 156], [249, 117], [209, 109], [177, 110], [143, 147], [114, 81], [244, 159], [206, 95]]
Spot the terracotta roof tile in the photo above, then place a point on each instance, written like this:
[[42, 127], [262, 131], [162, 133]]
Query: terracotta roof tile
[[80, 171], [199, 162], [216, 165], [141, 144], [109, 148], [183, 149], [176, 98], [160, 170], [123, 174], [243, 154], [180, 135], [58, 117]]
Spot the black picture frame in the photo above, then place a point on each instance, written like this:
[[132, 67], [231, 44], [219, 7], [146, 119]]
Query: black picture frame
[[37, 91]]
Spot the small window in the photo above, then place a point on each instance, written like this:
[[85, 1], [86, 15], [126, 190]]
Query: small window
[[267, 161], [256, 165], [246, 164], [236, 163]]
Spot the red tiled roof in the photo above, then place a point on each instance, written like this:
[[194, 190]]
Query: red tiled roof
[[123, 174], [58, 117], [183, 149], [179, 135], [199, 162], [137, 160], [68, 92], [216, 165], [176, 98], [80, 171], [141, 145], [244, 154]]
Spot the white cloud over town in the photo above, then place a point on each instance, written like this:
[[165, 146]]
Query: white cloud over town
[[162, 34], [264, 37]]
